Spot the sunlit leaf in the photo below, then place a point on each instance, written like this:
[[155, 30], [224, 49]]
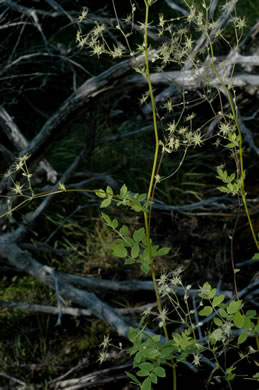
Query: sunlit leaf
[[234, 306], [119, 250], [135, 250], [242, 338], [206, 311], [239, 319], [217, 300], [139, 234], [105, 203]]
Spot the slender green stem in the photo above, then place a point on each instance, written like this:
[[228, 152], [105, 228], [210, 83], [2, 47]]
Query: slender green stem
[[151, 183], [241, 160]]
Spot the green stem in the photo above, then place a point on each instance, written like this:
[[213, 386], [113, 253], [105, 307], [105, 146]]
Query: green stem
[[241, 160], [151, 183]]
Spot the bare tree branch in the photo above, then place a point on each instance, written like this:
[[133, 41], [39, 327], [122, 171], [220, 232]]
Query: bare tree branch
[[97, 378], [24, 261], [19, 141]]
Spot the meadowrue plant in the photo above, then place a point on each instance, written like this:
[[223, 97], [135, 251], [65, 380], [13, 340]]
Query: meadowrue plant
[[151, 353], [213, 334]]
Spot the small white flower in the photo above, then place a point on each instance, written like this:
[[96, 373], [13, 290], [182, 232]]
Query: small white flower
[[227, 328], [217, 335], [196, 360], [83, 15], [17, 188], [162, 317], [106, 342], [102, 357], [163, 280], [147, 311], [251, 349]]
